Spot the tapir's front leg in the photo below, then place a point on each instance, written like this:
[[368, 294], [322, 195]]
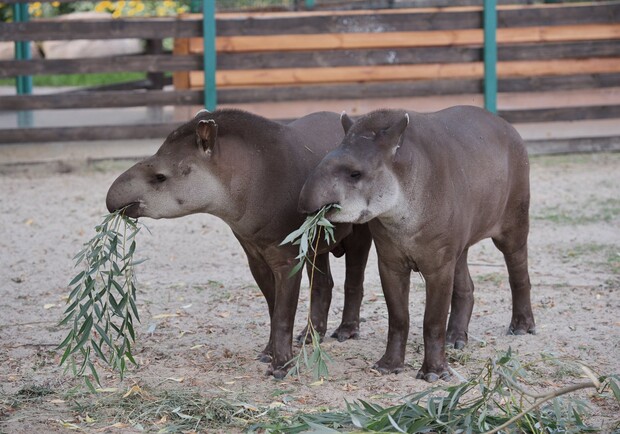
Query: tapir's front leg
[[356, 247], [438, 297], [395, 283], [322, 284], [266, 283], [283, 319]]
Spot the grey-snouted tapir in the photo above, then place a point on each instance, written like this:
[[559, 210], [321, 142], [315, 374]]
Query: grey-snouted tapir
[[249, 171], [430, 186]]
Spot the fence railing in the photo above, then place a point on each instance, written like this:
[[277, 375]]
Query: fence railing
[[286, 57]]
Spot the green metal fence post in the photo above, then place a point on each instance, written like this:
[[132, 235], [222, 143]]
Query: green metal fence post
[[209, 57], [22, 48], [310, 4], [23, 83], [490, 56]]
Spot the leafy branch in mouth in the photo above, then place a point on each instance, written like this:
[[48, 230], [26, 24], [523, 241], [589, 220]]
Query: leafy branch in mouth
[[306, 234], [102, 303], [307, 237]]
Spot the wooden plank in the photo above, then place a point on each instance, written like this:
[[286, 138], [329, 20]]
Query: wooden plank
[[570, 146], [101, 99], [570, 82], [180, 79], [395, 89], [399, 20], [144, 28], [92, 132], [309, 23], [134, 63], [561, 114], [341, 41], [349, 91], [331, 58], [291, 76], [410, 56]]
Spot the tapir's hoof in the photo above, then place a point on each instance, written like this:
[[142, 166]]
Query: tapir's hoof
[[304, 335], [346, 331], [519, 331], [277, 373], [264, 358], [384, 368], [458, 344], [432, 377]]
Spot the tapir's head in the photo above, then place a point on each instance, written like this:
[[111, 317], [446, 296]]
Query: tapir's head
[[180, 179], [359, 174]]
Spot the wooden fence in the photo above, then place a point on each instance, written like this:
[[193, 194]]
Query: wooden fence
[[289, 57]]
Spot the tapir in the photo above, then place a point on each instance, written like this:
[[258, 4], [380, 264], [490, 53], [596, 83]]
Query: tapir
[[248, 171], [430, 186]]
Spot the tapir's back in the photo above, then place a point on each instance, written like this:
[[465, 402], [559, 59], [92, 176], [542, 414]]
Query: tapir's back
[[480, 163]]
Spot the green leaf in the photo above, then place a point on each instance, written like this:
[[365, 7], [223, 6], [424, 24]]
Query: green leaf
[[296, 269], [614, 388], [77, 278], [66, 341], [90, 385], [66, 354]]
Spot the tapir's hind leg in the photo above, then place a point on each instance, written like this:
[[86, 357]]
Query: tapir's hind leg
[[513, 244], [462, 305], [356, 246]]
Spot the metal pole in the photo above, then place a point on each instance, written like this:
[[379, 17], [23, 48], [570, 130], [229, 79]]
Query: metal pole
[[23, 83], [490, 56], [209, 58], [22, 49]]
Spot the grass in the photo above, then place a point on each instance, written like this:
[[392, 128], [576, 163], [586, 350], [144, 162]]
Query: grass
[[498, 398], [79, 80], [594, 254], [596, 211]]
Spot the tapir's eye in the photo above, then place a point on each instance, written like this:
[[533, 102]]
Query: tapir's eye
[[160, 177], [356, 174]]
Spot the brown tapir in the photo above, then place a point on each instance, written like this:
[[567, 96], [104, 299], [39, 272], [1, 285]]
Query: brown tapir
[[249, 171], [430, 186]]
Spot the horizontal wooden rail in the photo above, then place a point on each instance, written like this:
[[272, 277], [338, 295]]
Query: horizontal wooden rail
[[91, 132], [133, 63], [342, 41], [289, 76], [395, 89], [144, 28], [103, 99], [329, 58], [561, 114], [394, 20]]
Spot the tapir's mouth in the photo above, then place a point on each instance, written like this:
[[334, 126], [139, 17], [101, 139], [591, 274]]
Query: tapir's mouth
[[327, 205], [131, 210]]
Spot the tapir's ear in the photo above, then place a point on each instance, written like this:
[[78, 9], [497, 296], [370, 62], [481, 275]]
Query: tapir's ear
[[346, 121], [206, 133], [393, 136]]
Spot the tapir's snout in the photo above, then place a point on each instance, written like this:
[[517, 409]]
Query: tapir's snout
[[119, 196], [313, 197]]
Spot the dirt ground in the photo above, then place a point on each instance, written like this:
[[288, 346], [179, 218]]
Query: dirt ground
[[204, 320]]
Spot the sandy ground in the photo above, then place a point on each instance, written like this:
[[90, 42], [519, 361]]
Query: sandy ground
[[204, 320]]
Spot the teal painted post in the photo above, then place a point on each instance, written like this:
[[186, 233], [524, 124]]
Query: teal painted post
[[309, 4], [209, 57], [22, 49], [490, 56], [23, 83]]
